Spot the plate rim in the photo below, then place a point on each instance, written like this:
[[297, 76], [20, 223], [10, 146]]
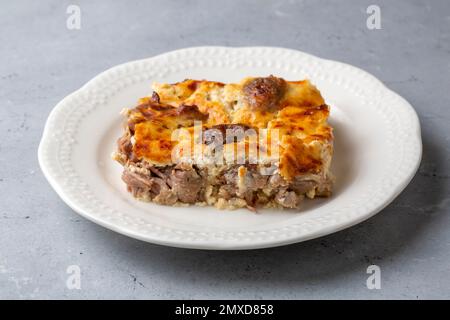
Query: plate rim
[[220, 244]]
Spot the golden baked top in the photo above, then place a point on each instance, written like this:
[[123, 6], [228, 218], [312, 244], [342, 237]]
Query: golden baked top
[[294, 110]]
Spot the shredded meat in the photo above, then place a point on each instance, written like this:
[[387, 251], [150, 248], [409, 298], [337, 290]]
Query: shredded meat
[[288, 199], [186, 185], [124, 146], [226, 191], [136, 180], [302, 186], [276, 181]]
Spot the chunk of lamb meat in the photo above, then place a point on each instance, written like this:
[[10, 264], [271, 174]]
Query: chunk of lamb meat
[[136, 180], [288, 199], [154, 187], [186, 184], [303, 186]]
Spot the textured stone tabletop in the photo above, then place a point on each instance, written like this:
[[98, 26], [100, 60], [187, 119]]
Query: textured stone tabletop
[[42, 61]]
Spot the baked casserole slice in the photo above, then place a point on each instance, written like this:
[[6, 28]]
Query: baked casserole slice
[[263, 142]]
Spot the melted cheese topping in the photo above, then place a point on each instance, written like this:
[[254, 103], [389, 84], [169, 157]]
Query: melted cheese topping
[[295, 109]]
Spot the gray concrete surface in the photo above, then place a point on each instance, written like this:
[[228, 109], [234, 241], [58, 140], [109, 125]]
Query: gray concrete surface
[[41, 61]]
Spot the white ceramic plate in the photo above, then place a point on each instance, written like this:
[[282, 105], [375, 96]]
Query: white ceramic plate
[[377, 150]]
